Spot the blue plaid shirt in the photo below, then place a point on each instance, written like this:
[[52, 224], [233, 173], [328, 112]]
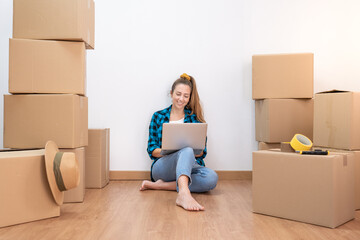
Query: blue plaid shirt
[[155, 131]]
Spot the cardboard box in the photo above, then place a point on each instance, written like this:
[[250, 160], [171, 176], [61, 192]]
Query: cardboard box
[[72, 20], [77, 194], [283, 76], [30, 120], [278, 120], [47, 67], [25, 191], [336, 120], [286, 147], [267, 146], [356, 171], [306, 188], [97, 158]]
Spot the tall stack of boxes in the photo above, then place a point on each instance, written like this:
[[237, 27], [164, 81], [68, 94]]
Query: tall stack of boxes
[[308, 188], [282, 88], [47, 78]]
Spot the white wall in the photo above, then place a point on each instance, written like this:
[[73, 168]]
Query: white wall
[[329, 29], [5, 34], [143, 46]]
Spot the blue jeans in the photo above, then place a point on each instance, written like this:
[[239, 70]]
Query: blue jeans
[[170, 167]]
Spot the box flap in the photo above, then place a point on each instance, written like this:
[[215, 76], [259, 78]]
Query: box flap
[[282, 54], [17, 149], [27, 153], [333, 91]]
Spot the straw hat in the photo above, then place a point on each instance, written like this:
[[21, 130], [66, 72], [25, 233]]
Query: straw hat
[[62, 171]]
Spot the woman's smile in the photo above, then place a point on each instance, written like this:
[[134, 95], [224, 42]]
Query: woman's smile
[[181, 95]]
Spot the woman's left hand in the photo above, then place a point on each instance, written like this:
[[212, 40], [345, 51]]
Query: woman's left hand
[[199, 155]]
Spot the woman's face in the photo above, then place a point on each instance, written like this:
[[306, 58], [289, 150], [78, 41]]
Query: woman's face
[[181, 96]]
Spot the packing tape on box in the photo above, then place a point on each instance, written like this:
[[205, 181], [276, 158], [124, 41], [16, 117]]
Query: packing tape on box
[[301, 143]]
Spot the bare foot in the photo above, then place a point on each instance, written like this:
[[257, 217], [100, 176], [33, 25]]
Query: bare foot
[[186, 201], [148, 185], [158, 185]]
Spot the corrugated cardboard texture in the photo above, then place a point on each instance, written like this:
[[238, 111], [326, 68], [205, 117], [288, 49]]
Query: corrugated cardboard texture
[[30, 120], [47, 67], [283, 76], [77, 194], [97, 158], [336, 120], [278, 120], [307, 188], [55, 19], [25, 191], [267, 146], [356, 172]]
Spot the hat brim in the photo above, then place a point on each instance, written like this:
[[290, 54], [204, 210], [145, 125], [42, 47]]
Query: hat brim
[[50, 151]]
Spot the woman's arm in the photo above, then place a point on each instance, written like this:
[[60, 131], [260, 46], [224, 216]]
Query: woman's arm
[[153, 142], [156, 153]]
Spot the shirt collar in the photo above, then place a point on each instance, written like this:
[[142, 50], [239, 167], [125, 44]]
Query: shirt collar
[[168, 110]]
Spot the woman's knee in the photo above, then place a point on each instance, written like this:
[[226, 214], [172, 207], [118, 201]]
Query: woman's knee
[[164, 169], [187, 150], [187, 155], [212, 179], [204, 179]]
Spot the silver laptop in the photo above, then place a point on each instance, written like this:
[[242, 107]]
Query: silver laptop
[[176, 136]]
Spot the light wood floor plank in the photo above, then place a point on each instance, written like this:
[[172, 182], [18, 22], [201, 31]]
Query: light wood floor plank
[[121, 211]]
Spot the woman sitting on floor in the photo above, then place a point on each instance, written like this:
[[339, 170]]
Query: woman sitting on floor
[[181, 171]]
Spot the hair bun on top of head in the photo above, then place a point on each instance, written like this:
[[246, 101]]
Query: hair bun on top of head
[[185, 76]]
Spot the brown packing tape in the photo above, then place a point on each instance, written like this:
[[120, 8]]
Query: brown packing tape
[[329, 106], [356, 154], [345, 161]]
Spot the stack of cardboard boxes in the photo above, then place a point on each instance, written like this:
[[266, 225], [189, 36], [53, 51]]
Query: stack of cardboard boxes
[[283, 92], [308, 188], [47, 80], [337, 127]]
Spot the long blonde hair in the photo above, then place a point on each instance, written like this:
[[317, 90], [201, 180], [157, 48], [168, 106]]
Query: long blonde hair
[[194, 102]]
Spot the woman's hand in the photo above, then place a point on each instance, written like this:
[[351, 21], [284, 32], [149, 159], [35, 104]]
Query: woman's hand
[[199, 155], [156, 153]]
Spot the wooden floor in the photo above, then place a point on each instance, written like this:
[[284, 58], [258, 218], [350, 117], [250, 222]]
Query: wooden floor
[[120, 211]]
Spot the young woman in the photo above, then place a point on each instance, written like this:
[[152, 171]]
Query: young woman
[[181, 171]]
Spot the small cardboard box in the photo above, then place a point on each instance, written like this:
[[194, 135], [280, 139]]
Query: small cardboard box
[[356, 171], [25, 193], [30, 120], [47, 66], [77, 194], [97, 158], [337, 120], [283, 76], [278, 120], [307, 188], [72, 20], [267, 146]]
